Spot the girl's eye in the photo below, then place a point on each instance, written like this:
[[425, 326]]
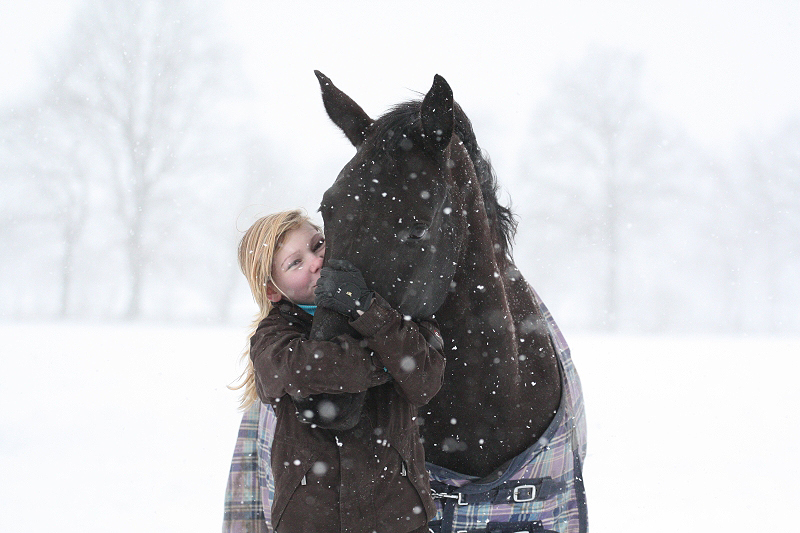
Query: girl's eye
[[293, 264], [320, 244]]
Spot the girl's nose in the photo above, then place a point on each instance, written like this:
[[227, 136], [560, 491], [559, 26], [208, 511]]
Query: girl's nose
[[316, 263]]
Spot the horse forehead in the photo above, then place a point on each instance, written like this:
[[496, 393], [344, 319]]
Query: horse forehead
[[363, 183], [381, 184], [347, 192]]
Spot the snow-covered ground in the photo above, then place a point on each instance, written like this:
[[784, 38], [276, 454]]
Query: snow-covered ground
[[130, 429]]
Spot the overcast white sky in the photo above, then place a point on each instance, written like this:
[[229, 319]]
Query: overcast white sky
[[717, 67]]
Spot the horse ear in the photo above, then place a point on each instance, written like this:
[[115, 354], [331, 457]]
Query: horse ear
[[344, 112], [436, 114]]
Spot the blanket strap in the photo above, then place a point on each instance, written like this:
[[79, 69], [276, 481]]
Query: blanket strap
[[509, 492], [494, 527]]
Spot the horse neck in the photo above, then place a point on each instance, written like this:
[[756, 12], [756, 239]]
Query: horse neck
[[502, 383], [491, 305], [477, 314]]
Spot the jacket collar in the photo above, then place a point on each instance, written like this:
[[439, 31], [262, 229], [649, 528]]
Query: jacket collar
[[293, 313]]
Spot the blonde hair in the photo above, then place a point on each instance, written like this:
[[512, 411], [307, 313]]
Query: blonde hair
[[256, 252]]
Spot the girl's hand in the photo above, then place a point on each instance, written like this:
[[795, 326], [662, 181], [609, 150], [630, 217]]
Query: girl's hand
[[342, 288]]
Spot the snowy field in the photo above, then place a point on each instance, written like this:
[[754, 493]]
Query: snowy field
[[131, 428]]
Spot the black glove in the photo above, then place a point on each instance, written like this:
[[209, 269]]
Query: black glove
[[342, 288]]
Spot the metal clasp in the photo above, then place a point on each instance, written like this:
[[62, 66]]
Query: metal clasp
[[521, 498], [460, 497]]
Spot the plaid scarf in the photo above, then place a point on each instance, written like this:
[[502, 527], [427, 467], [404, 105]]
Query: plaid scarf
[[540, 490]]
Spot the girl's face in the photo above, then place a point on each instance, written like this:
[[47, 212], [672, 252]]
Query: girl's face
[[296, 265]]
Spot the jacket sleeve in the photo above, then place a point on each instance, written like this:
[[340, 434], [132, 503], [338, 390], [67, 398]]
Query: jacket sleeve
[[416, 364], [287, 362]]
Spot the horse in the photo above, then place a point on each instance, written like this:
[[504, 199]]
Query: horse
[[417, 211]]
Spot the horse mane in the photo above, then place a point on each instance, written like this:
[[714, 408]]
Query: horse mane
[[402, 121]]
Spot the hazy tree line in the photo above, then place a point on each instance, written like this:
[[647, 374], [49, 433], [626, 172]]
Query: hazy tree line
[[122, 181], [636, 228]]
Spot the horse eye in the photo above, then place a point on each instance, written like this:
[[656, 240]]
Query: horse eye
[[418, 231]]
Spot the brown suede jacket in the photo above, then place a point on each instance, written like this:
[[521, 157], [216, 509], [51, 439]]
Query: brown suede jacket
[[369, 478]]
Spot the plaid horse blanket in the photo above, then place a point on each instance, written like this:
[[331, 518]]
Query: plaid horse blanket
[[250, 485], [541, 490]]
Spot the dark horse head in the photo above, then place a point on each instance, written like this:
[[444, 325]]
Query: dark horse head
[[416, 211], [390, 212]]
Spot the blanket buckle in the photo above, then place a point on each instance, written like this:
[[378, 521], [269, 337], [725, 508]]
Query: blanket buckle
[[524, 493]]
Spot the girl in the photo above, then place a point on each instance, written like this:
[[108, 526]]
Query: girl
[[370, 478]]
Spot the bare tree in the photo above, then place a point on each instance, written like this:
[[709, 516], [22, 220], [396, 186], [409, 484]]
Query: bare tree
[[142, 83], [606, 177], [768, 194], [48, 173]]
